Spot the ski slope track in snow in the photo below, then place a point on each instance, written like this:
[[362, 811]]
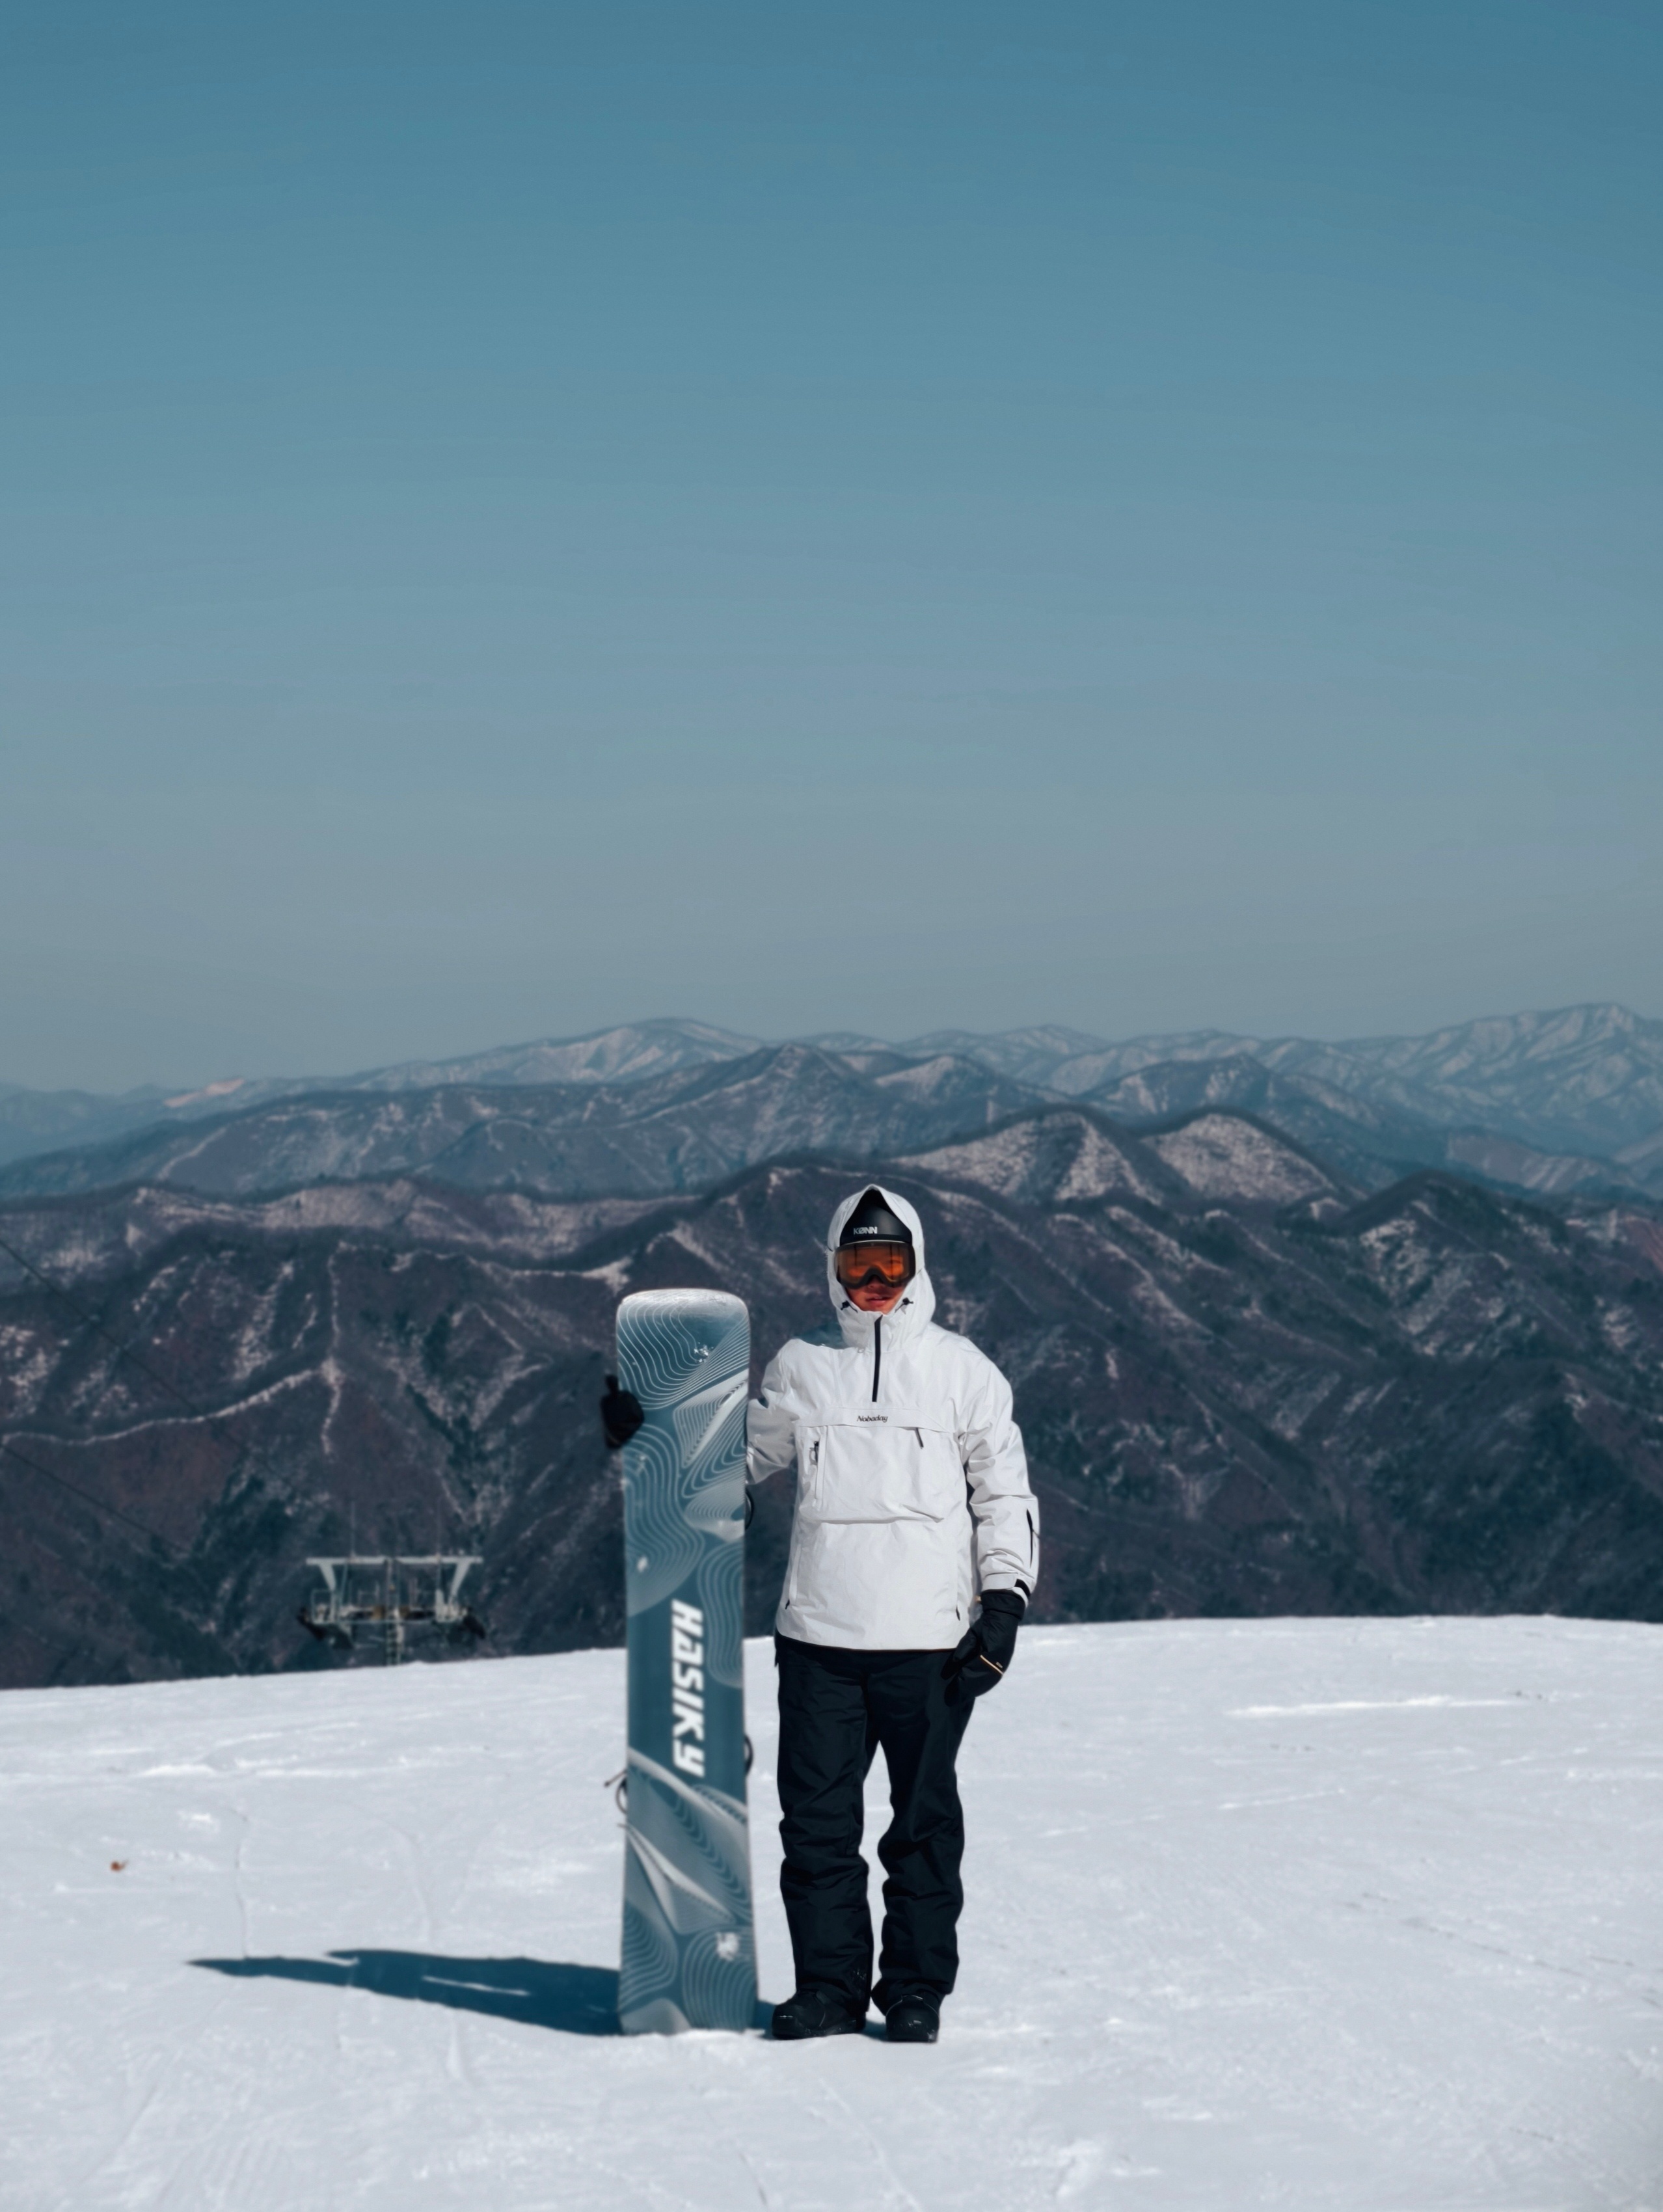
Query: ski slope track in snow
[[1347, 1916]]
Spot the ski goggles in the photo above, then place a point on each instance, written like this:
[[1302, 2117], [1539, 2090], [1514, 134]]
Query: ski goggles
[[890, 1264]]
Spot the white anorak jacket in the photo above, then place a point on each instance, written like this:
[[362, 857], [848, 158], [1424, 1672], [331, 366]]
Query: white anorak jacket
[[912, 1486]]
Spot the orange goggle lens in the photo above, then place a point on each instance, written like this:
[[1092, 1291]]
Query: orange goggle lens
[[860, 1264]]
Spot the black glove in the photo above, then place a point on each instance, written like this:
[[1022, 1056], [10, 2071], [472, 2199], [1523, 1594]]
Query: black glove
[[978, 1661], [621, 1414]]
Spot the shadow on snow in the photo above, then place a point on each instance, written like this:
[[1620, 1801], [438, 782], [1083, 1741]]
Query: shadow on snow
[[577, 2000]]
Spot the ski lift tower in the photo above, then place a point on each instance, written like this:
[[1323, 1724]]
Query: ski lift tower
[[393, 1593]]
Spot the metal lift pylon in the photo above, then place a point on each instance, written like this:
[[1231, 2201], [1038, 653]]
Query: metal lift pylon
[[393, 1592]]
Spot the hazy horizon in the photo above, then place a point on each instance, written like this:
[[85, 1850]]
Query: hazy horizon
[[870, 519], [198, 1082]]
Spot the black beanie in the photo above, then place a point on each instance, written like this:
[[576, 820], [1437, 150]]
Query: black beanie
[[873, 1222]]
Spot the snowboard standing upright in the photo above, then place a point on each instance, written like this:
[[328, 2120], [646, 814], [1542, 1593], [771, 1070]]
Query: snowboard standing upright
[[690, 1958]]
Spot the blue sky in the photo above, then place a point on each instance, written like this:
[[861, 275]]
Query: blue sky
[[515, 518]]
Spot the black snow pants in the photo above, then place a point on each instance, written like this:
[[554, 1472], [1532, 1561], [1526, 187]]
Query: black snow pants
[[836, 1708]]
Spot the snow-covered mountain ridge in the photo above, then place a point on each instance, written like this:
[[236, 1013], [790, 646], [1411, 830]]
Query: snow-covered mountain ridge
[[686, 1130], [669, 1133], [1353, 1914], [1581, 1087], [1245, 1387]]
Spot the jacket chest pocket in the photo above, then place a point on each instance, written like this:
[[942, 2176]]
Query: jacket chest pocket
[[860, 1468]]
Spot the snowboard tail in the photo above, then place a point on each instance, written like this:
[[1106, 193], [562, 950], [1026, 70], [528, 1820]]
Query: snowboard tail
[[689, 1957]]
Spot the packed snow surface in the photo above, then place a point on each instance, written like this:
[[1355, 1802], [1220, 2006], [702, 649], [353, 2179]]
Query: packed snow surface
[[1343, 1916]]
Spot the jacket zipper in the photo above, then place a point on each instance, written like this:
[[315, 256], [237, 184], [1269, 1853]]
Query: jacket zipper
[[878, 1353]]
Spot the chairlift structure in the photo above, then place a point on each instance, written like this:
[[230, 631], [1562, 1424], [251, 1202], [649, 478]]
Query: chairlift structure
[[361, 1593]]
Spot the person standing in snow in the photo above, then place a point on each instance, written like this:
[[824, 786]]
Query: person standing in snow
[[914, 1545]]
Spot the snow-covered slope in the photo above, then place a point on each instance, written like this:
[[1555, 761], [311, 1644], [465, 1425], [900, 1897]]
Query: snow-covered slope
[[1048, 1156], [1579, 1075], [35, 1122], [630, 1053], [1354, 1917], [1580, 1080], [577, 1140], [1221, 1155]]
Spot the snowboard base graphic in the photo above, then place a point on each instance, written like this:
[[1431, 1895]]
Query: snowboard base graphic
[[689, 1957]]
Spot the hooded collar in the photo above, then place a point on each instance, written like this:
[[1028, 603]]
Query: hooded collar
[[917, 1301]]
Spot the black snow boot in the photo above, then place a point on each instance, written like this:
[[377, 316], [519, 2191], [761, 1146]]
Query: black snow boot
[[915, 2020], [815, 2012]]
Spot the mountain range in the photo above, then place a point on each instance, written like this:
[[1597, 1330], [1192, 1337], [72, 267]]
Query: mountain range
[[1245, 1386], [1292, 1328], [1557, 1102]]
